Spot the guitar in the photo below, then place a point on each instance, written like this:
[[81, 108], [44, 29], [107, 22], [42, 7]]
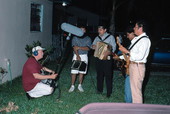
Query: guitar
[[125, 65]]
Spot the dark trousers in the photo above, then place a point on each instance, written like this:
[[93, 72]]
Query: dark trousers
[[104, 70]]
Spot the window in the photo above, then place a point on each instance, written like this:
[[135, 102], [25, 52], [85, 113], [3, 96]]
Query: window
[[36, 17]]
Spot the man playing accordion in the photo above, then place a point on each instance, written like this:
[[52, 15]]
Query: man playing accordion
[[104, 64]]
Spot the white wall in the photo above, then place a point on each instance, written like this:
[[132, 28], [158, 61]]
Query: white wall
[[15, 32]]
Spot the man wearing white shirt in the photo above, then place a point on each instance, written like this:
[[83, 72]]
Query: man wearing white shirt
[[138, 57]]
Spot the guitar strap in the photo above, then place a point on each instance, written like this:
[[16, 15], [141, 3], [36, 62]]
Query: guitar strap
[[137, 42], [104, 38]]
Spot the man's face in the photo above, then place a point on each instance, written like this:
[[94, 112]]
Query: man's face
[[40, 54], [101, 31], [137, 30], [130, 36], [83, 29]]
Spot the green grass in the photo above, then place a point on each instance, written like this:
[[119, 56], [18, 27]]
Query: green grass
[[157, 92]]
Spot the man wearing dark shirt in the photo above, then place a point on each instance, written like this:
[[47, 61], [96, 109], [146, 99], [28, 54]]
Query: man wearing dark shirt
[[31, 75]]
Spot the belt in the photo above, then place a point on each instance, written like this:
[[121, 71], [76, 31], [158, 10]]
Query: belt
[[132, 62]]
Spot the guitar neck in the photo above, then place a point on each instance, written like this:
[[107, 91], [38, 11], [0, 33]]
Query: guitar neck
[[118, 41], [119, 44]]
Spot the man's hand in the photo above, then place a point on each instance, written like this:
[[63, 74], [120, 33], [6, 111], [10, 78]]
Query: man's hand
[[52, 72], [53, 76], [107, 53], [48, 70], [76, 48], [116, 57], [123, 49], [78, 58], [94, 47]]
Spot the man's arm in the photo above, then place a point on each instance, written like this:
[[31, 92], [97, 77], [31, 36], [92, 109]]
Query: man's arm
[[42, 77], [85, 48], [75, 48], [48, 70], [113, 43], [93, 47], [112, 46], [82, 48], [94, 43], [123, 50]]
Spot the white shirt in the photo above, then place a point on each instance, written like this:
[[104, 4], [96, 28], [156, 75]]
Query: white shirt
[[140, 51]]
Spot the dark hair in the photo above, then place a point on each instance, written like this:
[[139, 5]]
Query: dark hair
[[129, 29], [82, 26], [142, 23], [102, 26]]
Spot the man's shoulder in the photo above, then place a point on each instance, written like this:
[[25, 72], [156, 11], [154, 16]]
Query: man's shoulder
[[30, 61], [110, 35], [97, 37], [145, 39]]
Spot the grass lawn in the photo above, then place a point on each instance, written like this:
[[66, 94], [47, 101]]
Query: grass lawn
[[157, 92]]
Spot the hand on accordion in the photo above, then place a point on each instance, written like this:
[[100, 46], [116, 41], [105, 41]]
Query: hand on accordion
[[78, 58], [94, 47], [107, 53]]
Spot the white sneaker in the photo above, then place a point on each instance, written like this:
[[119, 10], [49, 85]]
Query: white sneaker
[[80, 88], [71, 88]]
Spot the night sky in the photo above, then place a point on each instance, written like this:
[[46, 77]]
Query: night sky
[[154, 12]]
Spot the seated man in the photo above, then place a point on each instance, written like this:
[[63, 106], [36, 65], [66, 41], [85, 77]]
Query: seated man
[[31, 75]]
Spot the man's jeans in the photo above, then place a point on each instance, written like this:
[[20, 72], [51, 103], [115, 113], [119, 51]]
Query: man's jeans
[[128, 95]]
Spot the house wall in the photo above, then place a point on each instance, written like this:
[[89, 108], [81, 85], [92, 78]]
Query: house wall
[[15, 32]]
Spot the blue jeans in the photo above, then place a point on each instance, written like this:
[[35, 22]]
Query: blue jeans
[[128, 95]]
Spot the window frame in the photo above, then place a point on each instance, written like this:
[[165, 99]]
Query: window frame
[[40, 7]]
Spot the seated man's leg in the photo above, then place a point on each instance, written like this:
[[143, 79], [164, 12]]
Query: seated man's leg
[[40, 90]]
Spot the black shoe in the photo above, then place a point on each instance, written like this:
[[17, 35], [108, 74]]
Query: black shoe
[[99, 92], [29, 97]]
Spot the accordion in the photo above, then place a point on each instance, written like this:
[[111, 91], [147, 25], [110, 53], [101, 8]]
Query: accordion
[[78, 65], [101, 47]]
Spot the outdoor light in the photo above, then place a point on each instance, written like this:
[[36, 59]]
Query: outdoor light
[[63, 2]]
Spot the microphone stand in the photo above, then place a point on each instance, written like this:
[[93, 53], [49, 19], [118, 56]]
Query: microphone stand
[[60, 65], [68, 37]]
